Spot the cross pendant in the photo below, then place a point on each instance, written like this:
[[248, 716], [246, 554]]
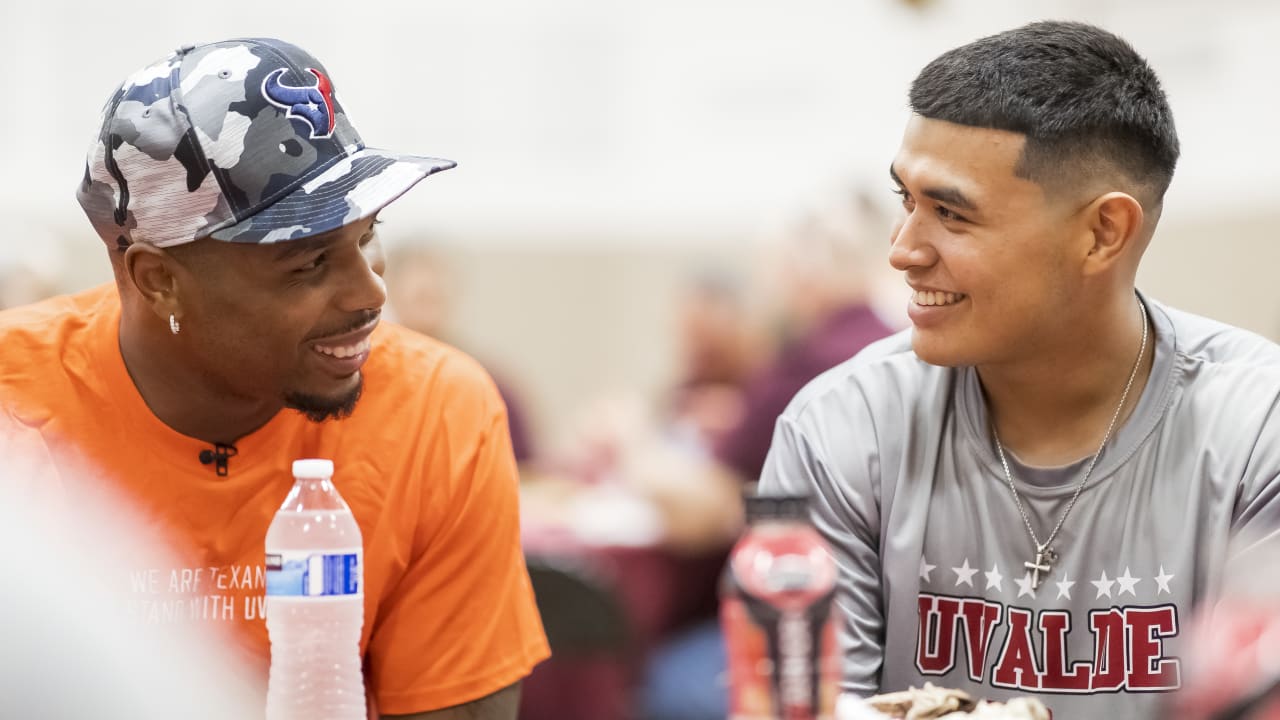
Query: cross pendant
[[1043, 564]]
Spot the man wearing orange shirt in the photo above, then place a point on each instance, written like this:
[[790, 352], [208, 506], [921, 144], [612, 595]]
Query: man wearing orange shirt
[[242, 332]]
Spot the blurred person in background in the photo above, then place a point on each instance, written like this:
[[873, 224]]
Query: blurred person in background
[[241, 333], [1048, 459], [719, 349], [422, 292], [817, 278], [822, 275]]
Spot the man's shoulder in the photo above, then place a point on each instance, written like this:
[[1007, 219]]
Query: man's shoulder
[[406, 366], [1203, 340], [1220, 366], [41, 322], [415, 356], [886, 372], [46, 338]]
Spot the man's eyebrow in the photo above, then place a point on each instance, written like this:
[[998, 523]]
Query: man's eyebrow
[[947, 195]]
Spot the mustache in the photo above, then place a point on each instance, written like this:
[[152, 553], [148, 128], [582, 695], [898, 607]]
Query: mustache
[[364, 319]]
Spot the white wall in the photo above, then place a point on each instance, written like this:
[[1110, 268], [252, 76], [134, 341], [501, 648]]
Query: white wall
[[660, 117]]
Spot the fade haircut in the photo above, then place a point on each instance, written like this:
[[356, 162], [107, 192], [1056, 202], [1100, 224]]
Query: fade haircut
[[1087, 103]]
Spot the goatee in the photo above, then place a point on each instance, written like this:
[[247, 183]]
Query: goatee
[[319, 409]]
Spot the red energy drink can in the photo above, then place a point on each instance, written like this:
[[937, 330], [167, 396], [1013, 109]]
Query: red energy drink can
[[778, 616]]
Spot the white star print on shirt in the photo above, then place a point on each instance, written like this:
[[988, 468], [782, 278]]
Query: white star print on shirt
[[1024, 586], [1127, 583], [994, 578], [1103, 585], [964, 574], [1064, 587], [1162, 580], [925, 569]]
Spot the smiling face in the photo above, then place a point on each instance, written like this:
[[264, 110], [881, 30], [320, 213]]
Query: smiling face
[[989, 254], [286, 323]]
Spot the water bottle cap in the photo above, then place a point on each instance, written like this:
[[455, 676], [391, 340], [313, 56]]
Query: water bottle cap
[[313, 468]]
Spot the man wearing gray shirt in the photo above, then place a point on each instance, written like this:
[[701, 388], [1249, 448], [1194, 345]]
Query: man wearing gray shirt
[[1031, 491]]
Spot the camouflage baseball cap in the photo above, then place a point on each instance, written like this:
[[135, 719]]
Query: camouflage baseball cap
[[242, 141]]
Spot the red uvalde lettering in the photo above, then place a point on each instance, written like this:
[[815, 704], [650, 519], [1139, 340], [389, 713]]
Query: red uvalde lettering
[[980, 621], [1016, 666], [937, 630], [1054, 626], [938, 626], [1109, 649], [1148, 668], [1128, 646]]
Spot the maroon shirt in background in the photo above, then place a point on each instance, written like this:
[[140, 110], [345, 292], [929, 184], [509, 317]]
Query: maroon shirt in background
[[521, 441], [767, 393]]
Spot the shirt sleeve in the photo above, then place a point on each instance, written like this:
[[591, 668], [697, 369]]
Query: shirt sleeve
[[461, 623], [1257, 509], [845, 509]]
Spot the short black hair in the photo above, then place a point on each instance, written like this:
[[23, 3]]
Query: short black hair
[[1083, 97]]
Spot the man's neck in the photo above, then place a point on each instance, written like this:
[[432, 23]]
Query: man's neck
[[181, 398], [1056, 408]]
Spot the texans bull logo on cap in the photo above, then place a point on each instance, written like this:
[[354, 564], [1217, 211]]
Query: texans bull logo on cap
[[313, 104]]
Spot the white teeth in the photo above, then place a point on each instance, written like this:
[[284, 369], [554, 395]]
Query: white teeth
[[932, 298], [343, 351]]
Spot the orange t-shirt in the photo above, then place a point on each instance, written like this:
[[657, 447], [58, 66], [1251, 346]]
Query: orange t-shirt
[[425, 463]]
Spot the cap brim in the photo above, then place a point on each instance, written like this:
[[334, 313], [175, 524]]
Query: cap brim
[[355, 188]]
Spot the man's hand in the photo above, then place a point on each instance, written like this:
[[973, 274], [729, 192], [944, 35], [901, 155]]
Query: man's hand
[[501, 705]]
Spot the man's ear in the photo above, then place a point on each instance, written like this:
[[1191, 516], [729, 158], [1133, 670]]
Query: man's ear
[[1116, 222], [151, 271]]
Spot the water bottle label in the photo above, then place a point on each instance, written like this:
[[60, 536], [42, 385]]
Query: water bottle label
[[309, 574]]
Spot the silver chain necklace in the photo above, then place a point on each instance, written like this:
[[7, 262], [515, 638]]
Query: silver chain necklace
[[1045, 556]]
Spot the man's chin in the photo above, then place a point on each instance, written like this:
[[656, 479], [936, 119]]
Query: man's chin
[[319, 408], [932, 350]]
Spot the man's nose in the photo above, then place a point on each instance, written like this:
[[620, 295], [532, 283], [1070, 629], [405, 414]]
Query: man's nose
[[908, 245], [363, 287]]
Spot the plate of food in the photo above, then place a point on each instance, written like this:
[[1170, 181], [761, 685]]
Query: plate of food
[[934, 703]]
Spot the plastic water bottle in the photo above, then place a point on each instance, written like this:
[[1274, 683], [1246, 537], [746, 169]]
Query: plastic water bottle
[[777, 613], [315, 602]]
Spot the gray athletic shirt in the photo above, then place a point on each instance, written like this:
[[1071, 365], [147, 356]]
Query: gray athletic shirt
[[907, 488]]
